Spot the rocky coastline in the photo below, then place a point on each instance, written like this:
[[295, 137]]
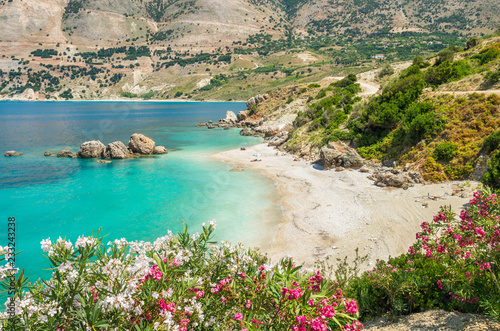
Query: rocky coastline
[[337, 156]]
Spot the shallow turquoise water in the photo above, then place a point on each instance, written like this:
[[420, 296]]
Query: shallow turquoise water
[[137, 199]]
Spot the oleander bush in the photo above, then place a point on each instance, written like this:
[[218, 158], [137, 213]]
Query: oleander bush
[[453, 265], [179, 282]]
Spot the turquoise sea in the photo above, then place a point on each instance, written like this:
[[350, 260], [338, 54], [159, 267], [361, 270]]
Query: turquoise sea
[[138, 199]]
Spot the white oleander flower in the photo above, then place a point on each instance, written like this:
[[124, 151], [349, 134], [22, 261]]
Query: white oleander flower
[[46, 245]]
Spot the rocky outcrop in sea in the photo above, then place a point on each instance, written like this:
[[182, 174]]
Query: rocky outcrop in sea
[[12, 153], [139, 145]]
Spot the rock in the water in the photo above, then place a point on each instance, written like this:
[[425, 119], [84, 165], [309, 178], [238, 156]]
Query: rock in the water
[[231, 117], [141, 144], [12, 153], [242, 115], [160, 150], [65, 153], [49, 154], [246, 132], [116, 150], [237, 169], [202, 124], [103, 161], [91, 149]]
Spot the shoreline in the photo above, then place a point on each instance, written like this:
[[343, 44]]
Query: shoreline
[[123, 100], [330, 214]]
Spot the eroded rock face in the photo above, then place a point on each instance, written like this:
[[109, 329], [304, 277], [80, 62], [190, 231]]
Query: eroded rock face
[[91, 149], [160, 150], [480, 168], [116, 150], [141, 144], [12, 153]]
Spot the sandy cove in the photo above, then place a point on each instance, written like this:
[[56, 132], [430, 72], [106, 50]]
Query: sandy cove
[[329, 213]]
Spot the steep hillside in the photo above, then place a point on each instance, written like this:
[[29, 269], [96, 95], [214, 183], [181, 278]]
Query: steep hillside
[[414, 121], [467, 17]]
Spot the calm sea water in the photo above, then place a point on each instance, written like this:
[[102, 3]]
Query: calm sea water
[[136, 199]]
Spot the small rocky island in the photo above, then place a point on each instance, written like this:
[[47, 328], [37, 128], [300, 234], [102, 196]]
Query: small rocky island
[[139, 145]]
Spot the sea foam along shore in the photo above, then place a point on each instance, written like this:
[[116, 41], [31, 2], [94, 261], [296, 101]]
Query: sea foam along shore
[[329, 213]]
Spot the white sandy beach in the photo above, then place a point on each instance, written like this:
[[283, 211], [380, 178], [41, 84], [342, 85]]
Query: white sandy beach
[[329, 213]]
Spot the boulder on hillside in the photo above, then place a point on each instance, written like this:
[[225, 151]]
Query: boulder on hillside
[[91, 149], [268, 131], [338, 154], [278, 139], [160, 150], [116, 150], [65, 153], [256, 100], [12, 153], [141, 144], [251, 102], [242, 115], [259, 98]]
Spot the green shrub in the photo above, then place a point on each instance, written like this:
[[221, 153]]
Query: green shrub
[[492, 175], [421, 121], [447, 72], [488, 54], [314, 85], [148, 95], [492, 76], [321, 94], [445, 151], [128, 95], [492, 142]]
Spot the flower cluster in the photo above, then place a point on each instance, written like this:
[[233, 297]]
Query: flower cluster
[[181, 283]]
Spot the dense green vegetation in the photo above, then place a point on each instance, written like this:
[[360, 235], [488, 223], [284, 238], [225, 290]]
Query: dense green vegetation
[[45, 53]]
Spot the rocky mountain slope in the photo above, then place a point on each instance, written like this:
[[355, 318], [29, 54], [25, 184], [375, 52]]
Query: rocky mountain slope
[[219, 23]]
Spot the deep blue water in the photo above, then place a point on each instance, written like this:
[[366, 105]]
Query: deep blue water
[[137, 199]]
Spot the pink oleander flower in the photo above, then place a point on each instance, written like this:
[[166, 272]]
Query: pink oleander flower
[[238, 317], [351, 307], [248, 304]]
